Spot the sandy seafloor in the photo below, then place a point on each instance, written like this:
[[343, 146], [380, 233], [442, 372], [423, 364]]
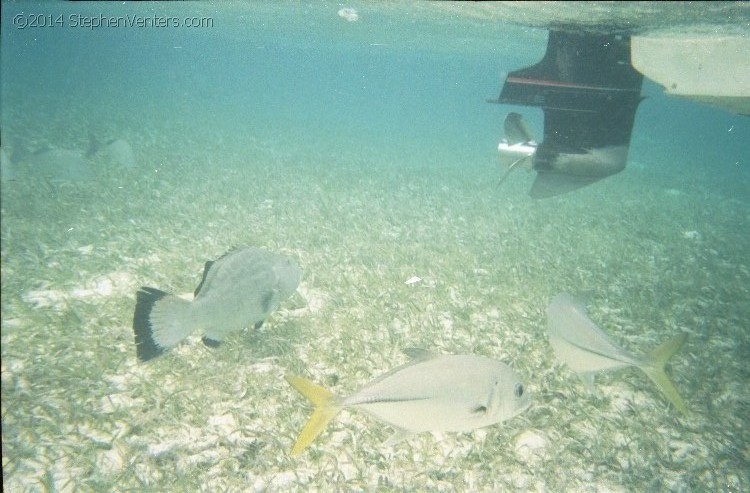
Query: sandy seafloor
[[655, 250]]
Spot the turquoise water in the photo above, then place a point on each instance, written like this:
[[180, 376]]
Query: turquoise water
[[365, 151]]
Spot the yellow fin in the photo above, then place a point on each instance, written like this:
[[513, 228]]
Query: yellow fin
[[654, 368], [325, 410]]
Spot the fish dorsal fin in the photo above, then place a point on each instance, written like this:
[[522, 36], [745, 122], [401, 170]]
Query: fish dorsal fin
[[418, 354], [206, 268]]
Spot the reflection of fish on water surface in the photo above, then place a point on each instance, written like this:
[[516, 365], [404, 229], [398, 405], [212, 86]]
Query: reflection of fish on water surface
[[430, 393], [238, 290], [579, 343]]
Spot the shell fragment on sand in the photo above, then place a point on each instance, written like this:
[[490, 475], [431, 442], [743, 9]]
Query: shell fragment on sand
[[413, 281]]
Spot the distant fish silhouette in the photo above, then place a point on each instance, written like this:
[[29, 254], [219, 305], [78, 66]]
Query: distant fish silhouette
[[115, 153], [580, 344], [53, 164]]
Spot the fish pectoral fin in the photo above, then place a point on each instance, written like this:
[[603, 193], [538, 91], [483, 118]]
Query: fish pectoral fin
[[654, 369], [268, 299], [399, 435], [325, 410]]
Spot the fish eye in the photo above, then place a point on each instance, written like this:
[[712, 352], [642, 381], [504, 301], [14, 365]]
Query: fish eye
[[518, 391]]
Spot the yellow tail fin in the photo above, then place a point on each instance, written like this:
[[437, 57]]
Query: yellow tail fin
[[654, 368], [325, 410]]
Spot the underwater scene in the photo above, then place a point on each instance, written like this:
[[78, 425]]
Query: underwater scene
[[274, 247]]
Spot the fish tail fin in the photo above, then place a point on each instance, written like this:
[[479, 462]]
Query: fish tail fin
[[654, 368], [325, 410], [159, 322]]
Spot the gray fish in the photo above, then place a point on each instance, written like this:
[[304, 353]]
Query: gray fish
[[580, 344], [238, 290], [430, 393], [115, 154], [57, 165]]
